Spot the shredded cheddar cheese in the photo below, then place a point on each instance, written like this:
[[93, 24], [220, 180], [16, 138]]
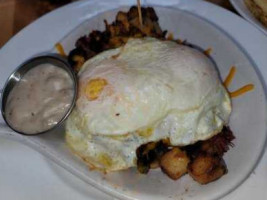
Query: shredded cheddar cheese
[[230, 76], [208, 51], [170, 36], [239, 91], [60, 49], [242, 90]]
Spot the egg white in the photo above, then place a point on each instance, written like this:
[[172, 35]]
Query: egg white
[[155, 90]]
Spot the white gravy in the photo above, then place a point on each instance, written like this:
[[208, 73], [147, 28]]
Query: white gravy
[[40, 100]]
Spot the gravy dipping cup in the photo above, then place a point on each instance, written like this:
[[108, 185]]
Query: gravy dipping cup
[[17, 75]]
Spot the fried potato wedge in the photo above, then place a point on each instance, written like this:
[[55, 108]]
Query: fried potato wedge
[[174, 163]]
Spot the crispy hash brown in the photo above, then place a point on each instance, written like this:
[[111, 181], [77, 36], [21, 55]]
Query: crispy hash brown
[[116, 34], [203, 161]]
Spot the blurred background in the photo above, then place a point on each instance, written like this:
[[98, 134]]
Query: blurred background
[[16, 14]]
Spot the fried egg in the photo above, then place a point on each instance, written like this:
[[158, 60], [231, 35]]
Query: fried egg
[[145, 91]]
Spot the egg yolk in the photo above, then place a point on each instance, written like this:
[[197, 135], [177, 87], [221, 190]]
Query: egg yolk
[[94, 88], [105, 160], [146, 132]]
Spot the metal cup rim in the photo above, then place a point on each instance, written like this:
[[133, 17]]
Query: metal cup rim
[[50, 56]]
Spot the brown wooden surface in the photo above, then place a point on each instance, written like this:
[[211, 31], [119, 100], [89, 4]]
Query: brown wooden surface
[[16, 14], [7, 10]]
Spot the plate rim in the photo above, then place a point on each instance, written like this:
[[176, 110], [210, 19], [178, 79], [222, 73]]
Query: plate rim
[[16, 39]]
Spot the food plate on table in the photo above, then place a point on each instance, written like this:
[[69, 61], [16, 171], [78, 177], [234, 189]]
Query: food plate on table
[[249, 113], [243, 10]]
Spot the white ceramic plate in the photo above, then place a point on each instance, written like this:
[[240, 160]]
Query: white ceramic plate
[[217, 29], [242, 9]]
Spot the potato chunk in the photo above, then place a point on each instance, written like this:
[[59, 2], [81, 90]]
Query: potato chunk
[[206, 168], [154, 164], [174, 163]]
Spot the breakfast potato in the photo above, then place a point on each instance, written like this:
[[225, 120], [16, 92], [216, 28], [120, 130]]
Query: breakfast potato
[[115, 35], [154, 164], [206, 168], [218, 144], [174, 163], [148, 155]]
